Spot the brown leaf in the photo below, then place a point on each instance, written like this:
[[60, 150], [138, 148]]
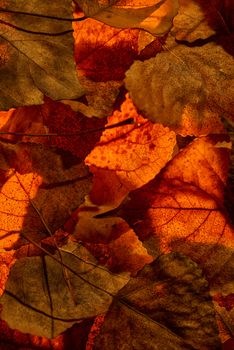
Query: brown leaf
[[29, 64], [36, 198], [170, 308], [127, 157], [6, 261], [152, 15], [183, 87], [198, 19], [52, 297], [182, 211]]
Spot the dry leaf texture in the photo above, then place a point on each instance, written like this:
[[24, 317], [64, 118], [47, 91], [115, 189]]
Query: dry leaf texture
[[182, 211], [154, 16], [128, 156], [29, 64], [184, 82], [170, 309]]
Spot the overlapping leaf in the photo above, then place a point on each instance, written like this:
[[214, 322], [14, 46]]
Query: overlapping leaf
[[56, 118], [53, 297], [153, 15], [102, 55], [202, 19], [182, 211], [129, 156], [36, 198], [183, 87], [31, 65], [174, 310], [112, 242]]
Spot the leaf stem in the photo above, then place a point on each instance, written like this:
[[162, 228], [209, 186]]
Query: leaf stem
[[122, 123], [35, 32], [43, 16]]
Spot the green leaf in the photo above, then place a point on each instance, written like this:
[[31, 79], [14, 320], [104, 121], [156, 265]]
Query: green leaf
[[167, 306], [34, 65], [44, 298], [154, 16]]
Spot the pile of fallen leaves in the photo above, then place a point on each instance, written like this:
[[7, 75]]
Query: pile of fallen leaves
[[115, 181]]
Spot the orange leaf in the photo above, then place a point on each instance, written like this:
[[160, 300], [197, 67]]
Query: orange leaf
[[113, 243], [129, 156], [52, 117], [74, 338], [104, 53], [35, 200], [182, 211]]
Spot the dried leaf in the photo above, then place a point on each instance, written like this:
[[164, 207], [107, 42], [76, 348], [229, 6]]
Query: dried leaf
[[154, 16], [127, 157], [182, 211], [52, 298], [200, 19], [52, 117], [183, 87], [74, 338], [112, 242], [29, 64], [102, 55], [170, 308], [6, 261], [36, 198]]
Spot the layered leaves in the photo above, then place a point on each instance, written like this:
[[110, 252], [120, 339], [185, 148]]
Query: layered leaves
[[51, 297], [170, 309], [183, 87], [182, 211], [129, 156], [202, 19], [30, 64], [153, 15], [37, 199]]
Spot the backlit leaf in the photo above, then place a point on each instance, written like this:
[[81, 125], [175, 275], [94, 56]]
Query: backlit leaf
[[182, 211], [36, 198], [129, 156], [111, 241], [153, 15], [52, 117]]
